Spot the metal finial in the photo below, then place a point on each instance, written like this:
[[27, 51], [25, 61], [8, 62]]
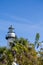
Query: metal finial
[[11, 27]]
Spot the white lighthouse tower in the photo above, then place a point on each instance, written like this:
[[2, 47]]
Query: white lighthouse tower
[[10, 37]]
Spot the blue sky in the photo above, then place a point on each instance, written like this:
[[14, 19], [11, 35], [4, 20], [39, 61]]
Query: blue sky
[[25, 15]]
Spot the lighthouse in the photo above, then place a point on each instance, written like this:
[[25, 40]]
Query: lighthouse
[[10, 37]]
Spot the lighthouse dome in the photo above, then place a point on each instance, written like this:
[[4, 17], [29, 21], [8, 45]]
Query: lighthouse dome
[[10, 33]]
